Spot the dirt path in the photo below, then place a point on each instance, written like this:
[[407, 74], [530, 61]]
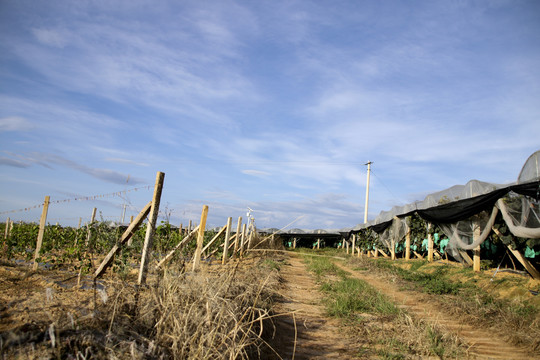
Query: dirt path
[[318, 336], [484, 344]]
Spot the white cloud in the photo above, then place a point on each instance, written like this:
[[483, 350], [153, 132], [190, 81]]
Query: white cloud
[[51, 37], [256, 173], [15, 123]]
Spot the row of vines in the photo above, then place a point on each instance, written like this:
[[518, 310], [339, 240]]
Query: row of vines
[[492, 250], [78, 248]]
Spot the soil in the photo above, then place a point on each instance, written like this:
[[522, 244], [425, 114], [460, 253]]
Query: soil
[[302, 331], [481, 343], [317, 335], [321, 337]]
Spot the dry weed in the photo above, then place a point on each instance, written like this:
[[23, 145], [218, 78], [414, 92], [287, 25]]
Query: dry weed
[[182, 315]]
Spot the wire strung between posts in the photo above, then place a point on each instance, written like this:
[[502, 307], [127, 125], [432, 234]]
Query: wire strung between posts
[[80, 198]]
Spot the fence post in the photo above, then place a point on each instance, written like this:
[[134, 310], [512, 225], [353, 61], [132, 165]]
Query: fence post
[[6, 232], [430, 244], [476, 250], [226, 244], [92, 219], [242, 243], [42, 223], [237, 240], [200, 238], [152, 218], [353, 243]]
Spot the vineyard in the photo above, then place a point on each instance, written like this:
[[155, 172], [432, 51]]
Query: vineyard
[[469, 254]]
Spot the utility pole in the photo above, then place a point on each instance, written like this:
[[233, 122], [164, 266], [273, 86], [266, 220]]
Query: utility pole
[[367, 191]]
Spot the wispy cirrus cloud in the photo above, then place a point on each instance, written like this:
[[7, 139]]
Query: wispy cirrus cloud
[[15, 123]]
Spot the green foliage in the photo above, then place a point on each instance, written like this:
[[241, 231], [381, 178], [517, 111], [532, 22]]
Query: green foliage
[[349, 296], [72, 247], [432, 283]]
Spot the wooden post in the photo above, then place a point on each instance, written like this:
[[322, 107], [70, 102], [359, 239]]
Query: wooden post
[[430, 244], [214, 238], [244, 230], [476, 250], [353, 243], [200, 238], [408, 246], [80, 221], [294, 243], [376, 253], [251, 233], [526, 264], [131, 219], [237, 240], [152, 218], [180, 229], [189, 227], [92, 219], [393, 249], [466, 257], [226, 244], [318, 243], [6, 231], [347, 245], [6, 234], [42, 223], [177, 247], [107, 261], [382, 252]]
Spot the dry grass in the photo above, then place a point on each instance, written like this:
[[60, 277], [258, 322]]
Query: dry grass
[[474, 304], [180, 315]]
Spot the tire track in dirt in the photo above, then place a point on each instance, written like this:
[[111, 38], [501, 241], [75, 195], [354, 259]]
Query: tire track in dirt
[[483, 343], [318, 336]]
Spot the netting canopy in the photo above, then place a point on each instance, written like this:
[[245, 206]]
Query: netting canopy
[[467, 213]]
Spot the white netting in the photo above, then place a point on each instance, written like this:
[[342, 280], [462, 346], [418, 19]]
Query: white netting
[[530, 171], [394, 233], [470, 233], [521, 215]]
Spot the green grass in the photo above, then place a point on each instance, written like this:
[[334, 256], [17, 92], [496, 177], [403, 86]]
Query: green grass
[[322, 266], [349, 296], [433, 283]]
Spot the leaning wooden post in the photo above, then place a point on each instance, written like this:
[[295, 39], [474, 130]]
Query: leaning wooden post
[[152, 218], [107, 261], [526, 264], [237, 240], [42, 223], [92, 219], [476, 250], [227, 238], [430, 244], [200, 238], [408, 246]]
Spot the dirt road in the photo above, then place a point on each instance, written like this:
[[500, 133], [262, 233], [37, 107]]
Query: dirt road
[[317, 336], [321, 337]]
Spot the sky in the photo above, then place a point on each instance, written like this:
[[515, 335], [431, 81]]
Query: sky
[[272, 105]]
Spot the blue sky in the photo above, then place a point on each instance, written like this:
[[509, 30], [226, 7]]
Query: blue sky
[[275, 105]]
